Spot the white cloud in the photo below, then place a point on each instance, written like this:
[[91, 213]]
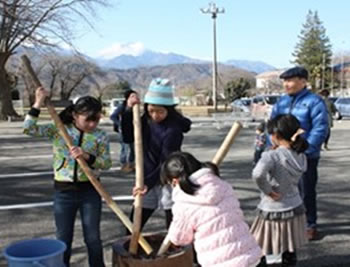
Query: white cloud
[[64, 45], [118, 49]]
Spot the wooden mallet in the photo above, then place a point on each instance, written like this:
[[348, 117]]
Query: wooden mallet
[[218, 158], [82, 163], [139, 179]]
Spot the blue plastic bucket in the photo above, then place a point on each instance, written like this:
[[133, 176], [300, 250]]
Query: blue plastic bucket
[[35, 253]]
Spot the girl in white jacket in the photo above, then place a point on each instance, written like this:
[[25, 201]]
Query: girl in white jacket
[[207, 211]]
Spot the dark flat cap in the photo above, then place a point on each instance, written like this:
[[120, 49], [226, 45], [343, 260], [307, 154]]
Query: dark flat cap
[[295, 72]]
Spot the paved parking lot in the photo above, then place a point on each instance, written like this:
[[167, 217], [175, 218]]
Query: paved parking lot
[[26, 181]]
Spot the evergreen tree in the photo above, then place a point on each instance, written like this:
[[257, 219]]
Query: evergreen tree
[[313, 51], [116, 89], [237, 88]]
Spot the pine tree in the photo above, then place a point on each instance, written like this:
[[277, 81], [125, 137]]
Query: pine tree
[[237, 88], [313, 51]]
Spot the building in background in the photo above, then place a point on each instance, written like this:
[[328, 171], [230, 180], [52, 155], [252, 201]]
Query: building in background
[[269, 82]]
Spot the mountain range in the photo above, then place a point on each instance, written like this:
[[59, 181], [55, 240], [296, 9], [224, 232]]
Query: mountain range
[[151, 58], [187, 74]]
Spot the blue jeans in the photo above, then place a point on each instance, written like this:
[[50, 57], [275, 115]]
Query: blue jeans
[[127, 153], [88, 203], [307, 187]]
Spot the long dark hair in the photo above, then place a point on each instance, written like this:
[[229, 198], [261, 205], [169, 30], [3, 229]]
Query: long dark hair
[[285, 127], [182, 165], [85, 105], [127, 94]]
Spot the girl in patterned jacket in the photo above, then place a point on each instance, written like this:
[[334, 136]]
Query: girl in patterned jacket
[[73, 191], [207, 211]]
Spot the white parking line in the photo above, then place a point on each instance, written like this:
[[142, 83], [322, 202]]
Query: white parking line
[[50, 203], [11, 136], [26, 157], [32, 157], [25, 146], [30, 174], [22, 175]]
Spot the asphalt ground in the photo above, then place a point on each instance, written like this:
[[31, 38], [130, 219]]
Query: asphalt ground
[[26, 178]]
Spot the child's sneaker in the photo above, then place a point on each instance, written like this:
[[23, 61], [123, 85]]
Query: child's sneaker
[[289, 259]]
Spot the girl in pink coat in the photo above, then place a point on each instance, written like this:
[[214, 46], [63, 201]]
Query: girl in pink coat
[[207, 212]]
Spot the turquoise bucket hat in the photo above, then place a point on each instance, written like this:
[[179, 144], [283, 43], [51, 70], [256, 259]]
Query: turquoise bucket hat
[[160, 92]]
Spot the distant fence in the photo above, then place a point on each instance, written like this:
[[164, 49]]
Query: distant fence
[[222, 119]]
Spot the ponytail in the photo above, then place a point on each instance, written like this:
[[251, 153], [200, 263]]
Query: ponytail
[[181, 165], [299, 145], [66, 115], [85, 105], [214, 168], [287, 127]]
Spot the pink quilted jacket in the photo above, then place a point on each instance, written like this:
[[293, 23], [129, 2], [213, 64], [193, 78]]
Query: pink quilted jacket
[[212, 218]]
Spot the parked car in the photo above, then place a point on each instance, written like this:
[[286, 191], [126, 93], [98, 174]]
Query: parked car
[[262, 106], [343, 107], [333, 98], [114, 103], [241, 105]]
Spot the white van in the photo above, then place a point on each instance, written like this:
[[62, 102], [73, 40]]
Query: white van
[[114, 103], [262, 106]]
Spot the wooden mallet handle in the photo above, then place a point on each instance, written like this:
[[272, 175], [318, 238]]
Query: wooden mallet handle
[[226, 144], [85, 167], [164, 246], [139, 179]]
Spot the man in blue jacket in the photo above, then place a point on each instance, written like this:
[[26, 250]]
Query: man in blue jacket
[[311, 111]]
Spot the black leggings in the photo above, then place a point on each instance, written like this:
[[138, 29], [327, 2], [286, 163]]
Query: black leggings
[[147, 213], [327, 138]]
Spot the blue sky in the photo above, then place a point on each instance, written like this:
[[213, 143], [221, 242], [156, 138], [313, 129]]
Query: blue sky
[[251, 29]]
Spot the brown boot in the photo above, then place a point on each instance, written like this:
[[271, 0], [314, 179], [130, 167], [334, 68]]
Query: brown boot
[[311, 234], [127, 168], [132, 166]]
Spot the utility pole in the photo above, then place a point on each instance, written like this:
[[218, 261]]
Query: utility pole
[[342, 74], [323, 69], [332, 76], [214, 11]]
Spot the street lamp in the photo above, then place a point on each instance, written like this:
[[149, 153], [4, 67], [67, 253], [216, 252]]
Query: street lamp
[[214, 11]]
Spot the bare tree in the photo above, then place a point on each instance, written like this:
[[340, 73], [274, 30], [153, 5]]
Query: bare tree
[[98, 83], [36, 22], [68, 74], [274, 85], [27, 83], [103, 84]]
